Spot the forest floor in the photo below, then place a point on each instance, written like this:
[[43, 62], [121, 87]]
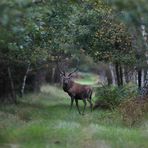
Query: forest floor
[[44, 120]]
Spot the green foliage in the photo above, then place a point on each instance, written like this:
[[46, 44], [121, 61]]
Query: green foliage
[[19, 33], [111, 96], [112, 43], [134, 15], [102, 35], [39, 30]]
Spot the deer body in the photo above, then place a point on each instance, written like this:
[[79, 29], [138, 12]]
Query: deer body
[[76, 91]]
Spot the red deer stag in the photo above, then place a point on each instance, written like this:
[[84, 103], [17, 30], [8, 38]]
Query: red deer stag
[[76, 91]]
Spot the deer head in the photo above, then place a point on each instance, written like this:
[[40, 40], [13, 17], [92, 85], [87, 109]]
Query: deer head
[[67, 78]]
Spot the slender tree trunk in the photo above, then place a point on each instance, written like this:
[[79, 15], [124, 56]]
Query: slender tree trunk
[[121, 75], [144, 34], [108, 76], [24, 80], [135, 78], [139, 78], [53, 74], [127, 77], [12, 85], [145, 74], [112, 74], [117, 73], [142, 77], [124, 76]]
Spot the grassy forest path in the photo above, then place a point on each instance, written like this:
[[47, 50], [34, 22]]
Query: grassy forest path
[[44, 120]]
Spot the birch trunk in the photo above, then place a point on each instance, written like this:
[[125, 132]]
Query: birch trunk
[[144, 34], [142, 77], [24, 80], [112, 74]]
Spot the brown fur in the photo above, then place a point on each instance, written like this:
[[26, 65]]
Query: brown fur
[[77, 92]]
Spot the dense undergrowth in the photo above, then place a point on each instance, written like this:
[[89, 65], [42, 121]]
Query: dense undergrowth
[[125, 99], [112, 96], [44, 120]]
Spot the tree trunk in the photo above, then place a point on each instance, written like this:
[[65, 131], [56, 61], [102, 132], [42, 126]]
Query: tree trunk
[[142, 77], [145, 74], [24, 80], [112, 74], [121, 75], [109, 76], [139, 78], [124, 76], [12, 86], [126, 73], [117, 73], [53, 74], [144, 34]]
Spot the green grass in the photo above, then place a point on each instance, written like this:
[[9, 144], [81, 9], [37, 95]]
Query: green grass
[[44, 121]]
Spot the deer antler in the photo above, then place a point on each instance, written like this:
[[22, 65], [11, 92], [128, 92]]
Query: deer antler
[[75, 68], [61, 72]]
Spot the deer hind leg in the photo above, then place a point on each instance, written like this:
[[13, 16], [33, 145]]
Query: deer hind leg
[[84, 105], [71, 103], [91, 105], [77, 106]]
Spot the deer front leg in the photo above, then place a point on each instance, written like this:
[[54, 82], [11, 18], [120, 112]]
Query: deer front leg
[[71, 103], [77, 106]]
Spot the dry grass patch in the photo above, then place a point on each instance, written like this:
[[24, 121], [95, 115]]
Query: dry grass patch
[[133, 110]]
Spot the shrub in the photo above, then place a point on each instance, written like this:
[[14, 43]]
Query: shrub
[[111, 96], [132, 110]]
